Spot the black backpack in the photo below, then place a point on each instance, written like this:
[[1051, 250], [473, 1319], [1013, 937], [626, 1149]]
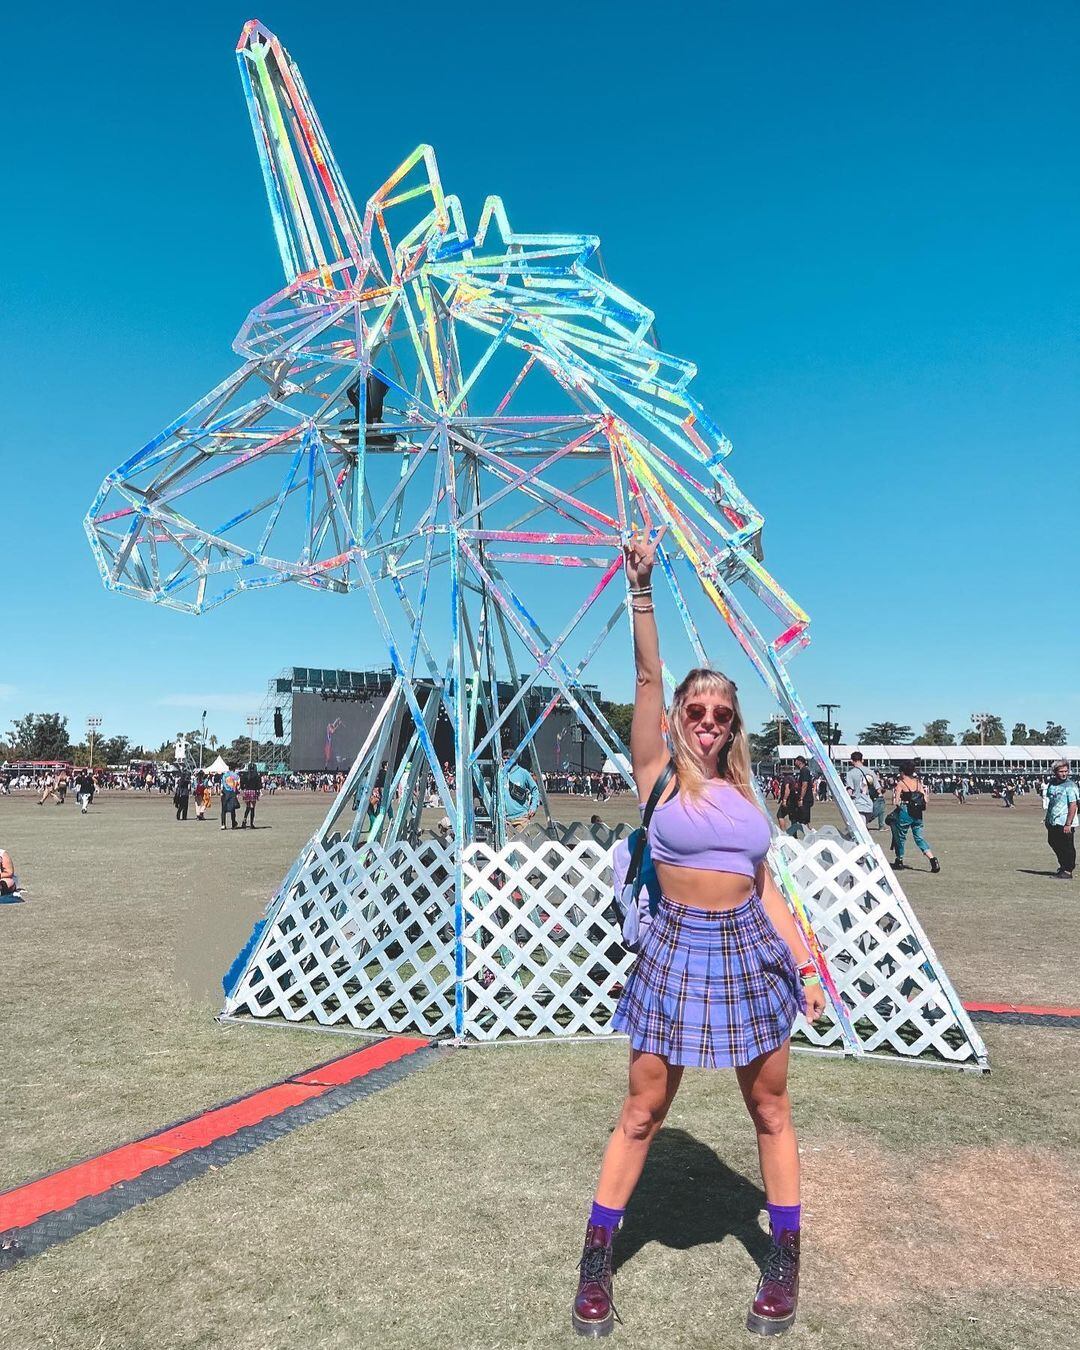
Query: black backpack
[[915, 804]]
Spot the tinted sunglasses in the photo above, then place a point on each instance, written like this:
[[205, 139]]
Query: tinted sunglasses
[[694, 712]]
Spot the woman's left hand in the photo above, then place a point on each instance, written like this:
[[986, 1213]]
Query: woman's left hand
[[815, 1001]]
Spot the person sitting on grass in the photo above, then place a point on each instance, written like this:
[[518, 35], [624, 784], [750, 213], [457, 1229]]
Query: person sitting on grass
[[9, 882]]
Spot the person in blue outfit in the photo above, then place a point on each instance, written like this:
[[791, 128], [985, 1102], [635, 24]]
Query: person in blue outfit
[[1062, 800]]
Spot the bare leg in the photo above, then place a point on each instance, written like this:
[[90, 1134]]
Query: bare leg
[[763, 1084], [653, 1085]]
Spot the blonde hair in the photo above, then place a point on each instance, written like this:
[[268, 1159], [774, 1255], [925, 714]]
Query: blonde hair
[[734, 758]]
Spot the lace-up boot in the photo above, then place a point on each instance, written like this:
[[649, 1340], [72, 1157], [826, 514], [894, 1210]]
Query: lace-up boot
[[773, 1309], [594, 1310]]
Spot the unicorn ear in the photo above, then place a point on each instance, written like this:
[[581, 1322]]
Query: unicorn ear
[[315, 221]]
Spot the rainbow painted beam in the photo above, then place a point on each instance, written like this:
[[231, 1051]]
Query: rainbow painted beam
[[460, 422]]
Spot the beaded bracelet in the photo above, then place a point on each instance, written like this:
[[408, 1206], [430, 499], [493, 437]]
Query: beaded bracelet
[[643, 609]]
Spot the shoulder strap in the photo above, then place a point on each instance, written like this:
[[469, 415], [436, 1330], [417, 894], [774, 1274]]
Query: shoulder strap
[[665, 778]]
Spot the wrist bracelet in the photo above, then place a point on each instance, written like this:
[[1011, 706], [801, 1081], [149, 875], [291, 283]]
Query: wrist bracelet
[[640, 590], [804, 966], [810, 979], [643, 609]]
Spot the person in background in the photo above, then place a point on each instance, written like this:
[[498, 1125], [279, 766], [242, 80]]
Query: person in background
[[230, 799], [202, 796], [84, 789], [182, 794], [1062, 799], [865, 788], [909, 803], [250, 788], [800, 800], [9, 882]]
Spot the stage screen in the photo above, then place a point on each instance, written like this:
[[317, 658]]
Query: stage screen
[[326, 734]]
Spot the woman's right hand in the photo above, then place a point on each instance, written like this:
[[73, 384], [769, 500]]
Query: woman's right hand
[[640, 555]]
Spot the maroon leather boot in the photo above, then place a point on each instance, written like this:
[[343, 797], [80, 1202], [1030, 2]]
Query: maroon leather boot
[[594, 1311], [773, 1309]]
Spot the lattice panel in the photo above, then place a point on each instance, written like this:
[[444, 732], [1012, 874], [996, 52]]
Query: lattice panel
[[889, 976], [363, 934], [366, 935], [542, 953]]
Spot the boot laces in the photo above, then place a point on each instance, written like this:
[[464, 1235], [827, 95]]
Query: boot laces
[[595, 1264], [781, 1265]]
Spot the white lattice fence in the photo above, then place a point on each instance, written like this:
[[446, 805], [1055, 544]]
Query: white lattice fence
[[368, 935], [364, 935], [542, 953], [888, 975]]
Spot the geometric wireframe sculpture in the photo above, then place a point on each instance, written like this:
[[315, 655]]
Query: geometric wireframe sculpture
[[464, 424]]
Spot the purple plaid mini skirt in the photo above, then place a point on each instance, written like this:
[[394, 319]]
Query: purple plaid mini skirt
[[711, 988]]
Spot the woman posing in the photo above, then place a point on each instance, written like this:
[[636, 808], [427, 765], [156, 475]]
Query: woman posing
[[909, 803], [717, 980]]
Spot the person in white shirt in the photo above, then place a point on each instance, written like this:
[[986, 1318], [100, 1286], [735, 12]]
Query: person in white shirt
[[864, 786]]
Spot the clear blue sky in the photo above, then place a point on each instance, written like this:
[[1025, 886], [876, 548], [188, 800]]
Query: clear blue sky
[[859, 220]]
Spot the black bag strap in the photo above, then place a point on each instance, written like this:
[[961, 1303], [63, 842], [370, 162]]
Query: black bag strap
[[650, 806]]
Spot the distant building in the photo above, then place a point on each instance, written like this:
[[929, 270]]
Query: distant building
[[986, 761]]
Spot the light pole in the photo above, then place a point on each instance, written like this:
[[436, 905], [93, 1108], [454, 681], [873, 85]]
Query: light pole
[[980, 720], [202, 739], [252, 723], [829, 710], [93, 725]]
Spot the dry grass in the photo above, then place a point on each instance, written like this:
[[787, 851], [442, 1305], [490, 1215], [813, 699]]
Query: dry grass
[[448, 1209]]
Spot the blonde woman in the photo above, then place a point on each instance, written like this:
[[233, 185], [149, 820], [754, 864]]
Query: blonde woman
[[722, 970]]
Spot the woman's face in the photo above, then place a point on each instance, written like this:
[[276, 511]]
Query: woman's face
[[707, 721]]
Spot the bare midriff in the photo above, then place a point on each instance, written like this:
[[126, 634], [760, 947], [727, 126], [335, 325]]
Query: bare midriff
[[702, 887]]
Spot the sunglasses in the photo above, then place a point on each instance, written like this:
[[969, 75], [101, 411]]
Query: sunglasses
[[694, 712]]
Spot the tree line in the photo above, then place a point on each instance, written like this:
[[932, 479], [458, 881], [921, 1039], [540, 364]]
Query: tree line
[[778, 730], [46, 736]]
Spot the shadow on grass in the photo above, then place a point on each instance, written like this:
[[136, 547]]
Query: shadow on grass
[[1035, 872], [686, 1197]]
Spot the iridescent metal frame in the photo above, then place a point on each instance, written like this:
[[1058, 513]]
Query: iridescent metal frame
[[463, 424]]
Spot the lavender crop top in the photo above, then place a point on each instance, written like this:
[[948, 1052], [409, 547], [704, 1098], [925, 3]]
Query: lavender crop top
[[726, 833]]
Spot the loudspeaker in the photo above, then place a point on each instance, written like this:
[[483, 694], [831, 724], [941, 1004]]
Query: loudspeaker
[[279, 725]]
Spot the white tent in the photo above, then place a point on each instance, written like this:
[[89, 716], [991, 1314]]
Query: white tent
[[218, 766], [621, 764]]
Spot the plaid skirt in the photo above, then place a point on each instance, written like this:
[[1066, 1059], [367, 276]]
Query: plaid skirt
[[711, 988]]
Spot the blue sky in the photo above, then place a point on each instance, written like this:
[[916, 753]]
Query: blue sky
[[860, 221]]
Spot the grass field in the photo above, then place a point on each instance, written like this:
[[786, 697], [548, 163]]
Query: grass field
[[447, 1210]]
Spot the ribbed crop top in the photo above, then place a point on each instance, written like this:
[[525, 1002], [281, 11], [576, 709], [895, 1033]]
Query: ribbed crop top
[[726, 833]]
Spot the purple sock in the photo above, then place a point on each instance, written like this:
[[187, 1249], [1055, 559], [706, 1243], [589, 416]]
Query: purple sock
[[602, 1217], [784, 1218]]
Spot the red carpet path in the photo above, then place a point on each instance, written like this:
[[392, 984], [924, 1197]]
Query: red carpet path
[[40, 1213], [24, 1205]]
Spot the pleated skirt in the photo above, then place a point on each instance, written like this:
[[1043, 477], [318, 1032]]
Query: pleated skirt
[[711, 988]]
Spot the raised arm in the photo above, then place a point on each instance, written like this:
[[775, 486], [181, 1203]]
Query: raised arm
[[648, 752]]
